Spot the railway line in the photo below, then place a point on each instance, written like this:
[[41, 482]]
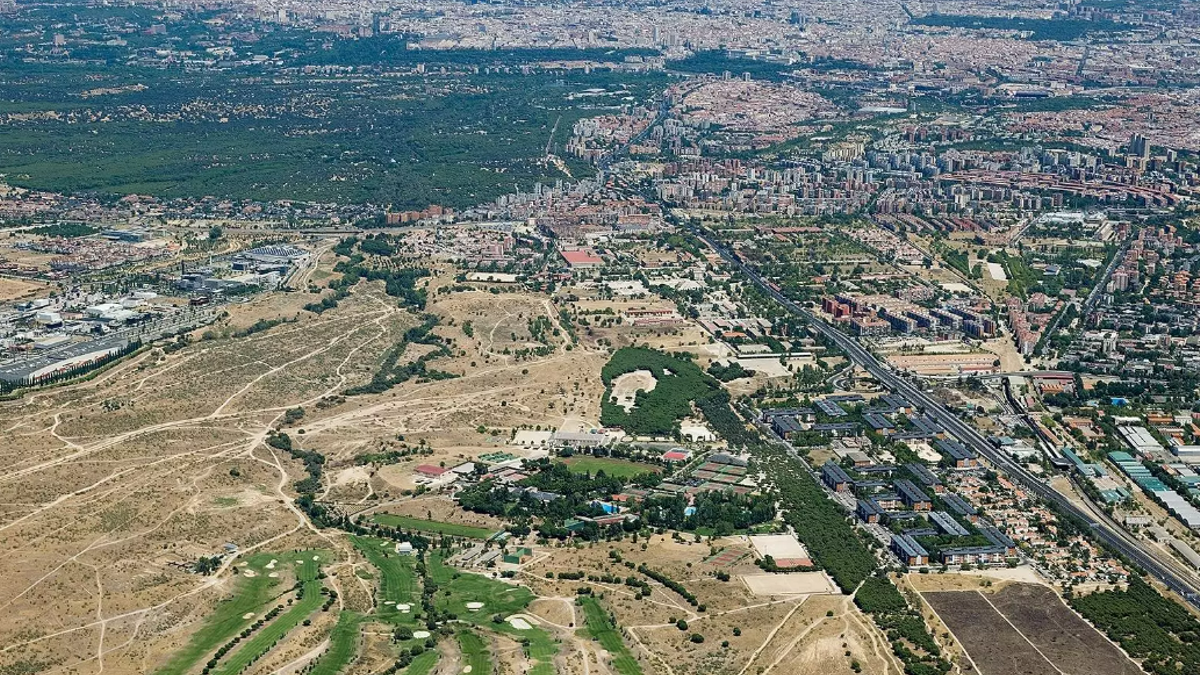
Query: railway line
[[1103, 527]]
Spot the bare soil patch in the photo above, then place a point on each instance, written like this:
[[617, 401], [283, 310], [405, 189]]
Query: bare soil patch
[[794, 583], [1026, 628], [1066, 639], [18, 289], [994, 647], [626, 387]]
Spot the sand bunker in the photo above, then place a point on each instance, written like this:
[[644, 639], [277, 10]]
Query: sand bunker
[[389, 602], [248, 615], [316, 557], [274, 575], [420, 634], [249, 573], [519, 623], [403, 607], [474, 605], [466, 669]]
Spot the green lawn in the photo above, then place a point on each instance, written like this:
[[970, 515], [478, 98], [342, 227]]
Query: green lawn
[[397, 579], [261, 642], [399, 583], [250, 595], [619, 468], [434, 526], [497, 597], [423, 663], [343, 644], [475, 651], [601, 629], [542, 647]]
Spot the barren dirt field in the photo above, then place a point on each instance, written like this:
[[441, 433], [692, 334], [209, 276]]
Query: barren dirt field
[[1059, 633], [992, 645], [779, 634], [1025, 628], [112, 488], [17, 289]]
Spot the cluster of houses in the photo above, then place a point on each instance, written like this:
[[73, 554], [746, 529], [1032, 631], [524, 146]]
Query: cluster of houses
[[891, 416], [928, 521], [718, 472]]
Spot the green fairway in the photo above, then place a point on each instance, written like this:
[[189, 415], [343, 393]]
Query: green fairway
[[475, 651], [423, 663], [249, 596], [601, 629], [397, 579], [436, 527], [618, 468], [497, 597], [262, 641], [343, 643], [541, 647]]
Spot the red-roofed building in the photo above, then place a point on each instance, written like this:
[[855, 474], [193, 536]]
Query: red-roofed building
[[582, 259], [430, 470]]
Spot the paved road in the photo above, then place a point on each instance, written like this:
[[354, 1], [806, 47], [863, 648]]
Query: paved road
[[1092, 297], [1108, 531], [664, 109], [21, 367]]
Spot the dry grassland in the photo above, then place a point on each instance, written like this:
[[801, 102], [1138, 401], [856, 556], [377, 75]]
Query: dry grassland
[[776, 634], [111, 487], [12, 290]]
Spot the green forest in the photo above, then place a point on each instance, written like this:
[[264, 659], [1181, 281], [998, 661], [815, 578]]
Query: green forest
[[679, 383], [468, 129], [1148, 627], [1063, 30]]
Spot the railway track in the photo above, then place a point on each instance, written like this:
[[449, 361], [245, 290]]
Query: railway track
[[1103, 527]]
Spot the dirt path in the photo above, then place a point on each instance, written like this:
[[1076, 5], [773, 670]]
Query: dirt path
[[449, 658], [239, 419], [303, 660], [197, 463], [771, 636]]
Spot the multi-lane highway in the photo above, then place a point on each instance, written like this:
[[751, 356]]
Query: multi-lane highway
[[1108, 531]]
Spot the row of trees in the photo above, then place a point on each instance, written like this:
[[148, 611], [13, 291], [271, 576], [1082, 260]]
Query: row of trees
[[314, 462]]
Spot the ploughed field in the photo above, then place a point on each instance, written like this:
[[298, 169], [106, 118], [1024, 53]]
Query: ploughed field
[[1026, 629]]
